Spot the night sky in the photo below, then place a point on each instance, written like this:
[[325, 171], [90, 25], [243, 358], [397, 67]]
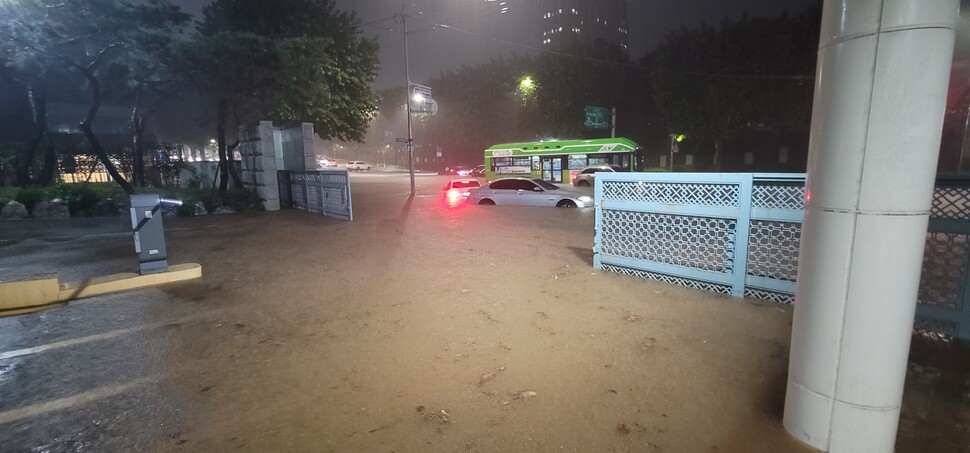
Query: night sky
[[436, 50]]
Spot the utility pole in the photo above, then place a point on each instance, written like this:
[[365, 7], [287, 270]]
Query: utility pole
[[403, 15], [613, 132]]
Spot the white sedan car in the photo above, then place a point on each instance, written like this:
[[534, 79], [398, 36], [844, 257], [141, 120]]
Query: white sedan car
[[528, 192], [358, 165]]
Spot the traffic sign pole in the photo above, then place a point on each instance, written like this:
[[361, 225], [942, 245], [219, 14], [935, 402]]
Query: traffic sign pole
[[613, 121]]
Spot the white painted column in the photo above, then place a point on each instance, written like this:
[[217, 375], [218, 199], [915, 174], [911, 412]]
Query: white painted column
[[881, 83]]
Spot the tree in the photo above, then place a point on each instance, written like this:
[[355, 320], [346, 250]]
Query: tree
[[87, 37], [287, 61], [716, 84]]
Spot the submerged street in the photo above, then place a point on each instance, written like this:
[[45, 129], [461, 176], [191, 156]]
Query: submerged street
[[416, 327]]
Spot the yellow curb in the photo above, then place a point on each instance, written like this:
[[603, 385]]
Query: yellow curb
[[39, 294]]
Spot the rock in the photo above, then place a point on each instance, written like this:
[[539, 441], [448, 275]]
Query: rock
[[124, 204], [54, 209], [199, 208], [13, 210], [525, 394], [224, 210]]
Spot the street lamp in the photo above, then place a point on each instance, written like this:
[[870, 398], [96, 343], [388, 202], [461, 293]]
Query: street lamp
[[675, 139], [527, 86]]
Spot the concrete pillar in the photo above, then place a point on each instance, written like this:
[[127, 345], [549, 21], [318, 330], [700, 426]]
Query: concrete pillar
[[881, 83], [258, 150], [309, 152]]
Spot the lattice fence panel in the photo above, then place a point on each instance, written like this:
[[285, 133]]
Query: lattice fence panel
[[944, 267], [951, 203], [774, 296], [773, 249], [717, 195], [690, 283], [691, 241], [778, 195]]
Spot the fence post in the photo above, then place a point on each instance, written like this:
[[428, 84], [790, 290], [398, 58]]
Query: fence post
[[742, 234], [598, 225]]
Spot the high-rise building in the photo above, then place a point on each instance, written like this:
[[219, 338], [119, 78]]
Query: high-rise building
[[588, 21]]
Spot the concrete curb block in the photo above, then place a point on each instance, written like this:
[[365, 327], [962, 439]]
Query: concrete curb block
[[39, 294]]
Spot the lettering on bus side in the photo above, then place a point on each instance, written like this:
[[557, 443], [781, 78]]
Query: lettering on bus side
[[607, 148], [501, 153], [512, 170]]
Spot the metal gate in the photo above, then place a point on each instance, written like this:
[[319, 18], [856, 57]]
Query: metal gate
[[739, 234], [324, 192]]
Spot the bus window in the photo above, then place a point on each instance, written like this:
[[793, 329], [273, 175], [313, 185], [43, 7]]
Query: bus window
[[577, 161], [511, 165], [598, 160]]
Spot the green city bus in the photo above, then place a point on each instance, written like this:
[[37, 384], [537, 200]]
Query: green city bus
[[558, 161]]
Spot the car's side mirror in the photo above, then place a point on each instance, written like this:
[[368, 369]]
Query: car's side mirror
[[537, 189]]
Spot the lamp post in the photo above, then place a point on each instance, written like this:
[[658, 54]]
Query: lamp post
[[674, 147], [403, 16]]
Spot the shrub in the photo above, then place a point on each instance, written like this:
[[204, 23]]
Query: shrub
[[30, 197], [78, 197], [241, 200]]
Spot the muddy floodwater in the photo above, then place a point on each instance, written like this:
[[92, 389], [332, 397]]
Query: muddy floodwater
[[417, 327]]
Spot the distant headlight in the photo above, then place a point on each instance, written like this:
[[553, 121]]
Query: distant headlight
[[585, 199]]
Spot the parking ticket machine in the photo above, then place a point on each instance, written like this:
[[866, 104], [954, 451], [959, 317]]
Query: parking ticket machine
[[146, 223]]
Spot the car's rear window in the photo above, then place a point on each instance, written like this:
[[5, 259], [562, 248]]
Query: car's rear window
[[464, 184]]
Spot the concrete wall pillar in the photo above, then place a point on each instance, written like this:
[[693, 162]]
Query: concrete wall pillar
[[881, 83], [309, 152], [258, 151]]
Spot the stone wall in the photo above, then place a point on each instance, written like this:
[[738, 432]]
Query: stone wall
[[266, 149], [258, 152]]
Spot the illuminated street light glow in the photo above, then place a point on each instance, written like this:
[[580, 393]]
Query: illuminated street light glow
[[418, 97], [527, 86]]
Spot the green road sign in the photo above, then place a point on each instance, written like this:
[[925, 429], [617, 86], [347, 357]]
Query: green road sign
[[597, 117]]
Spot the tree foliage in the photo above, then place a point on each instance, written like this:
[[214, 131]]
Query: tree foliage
[[288, 61], [92, 38], [714, 84]]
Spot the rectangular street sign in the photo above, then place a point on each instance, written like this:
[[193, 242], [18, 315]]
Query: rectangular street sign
[[401, 140], [422, 90], [598, 117]]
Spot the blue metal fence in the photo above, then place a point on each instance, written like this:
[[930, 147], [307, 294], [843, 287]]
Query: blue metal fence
[[739, 234]]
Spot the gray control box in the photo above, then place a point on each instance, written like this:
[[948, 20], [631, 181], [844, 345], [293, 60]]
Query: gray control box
[[146, 223]]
